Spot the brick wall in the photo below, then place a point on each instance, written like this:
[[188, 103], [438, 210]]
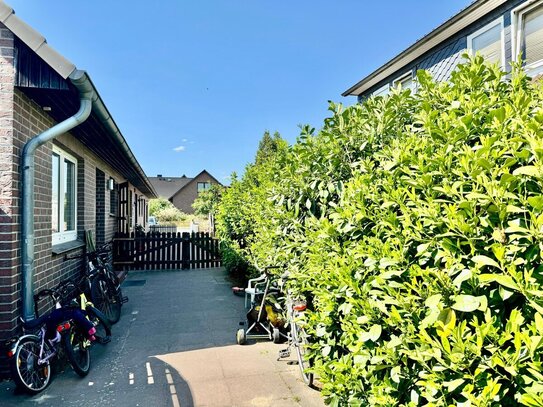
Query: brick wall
[[100, 206], [9, 218], [21, 119]]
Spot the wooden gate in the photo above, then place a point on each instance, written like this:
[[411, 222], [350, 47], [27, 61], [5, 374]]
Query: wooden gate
[[165, 251]]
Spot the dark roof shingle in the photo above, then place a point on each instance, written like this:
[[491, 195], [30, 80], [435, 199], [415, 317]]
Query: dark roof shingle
[[166, 187]]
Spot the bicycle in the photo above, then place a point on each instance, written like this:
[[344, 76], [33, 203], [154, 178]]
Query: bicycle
[[75, 296], [101, 284], [297, 336], [31, 354]]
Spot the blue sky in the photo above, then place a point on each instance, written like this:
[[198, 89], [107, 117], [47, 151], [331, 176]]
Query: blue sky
[[194, 84]]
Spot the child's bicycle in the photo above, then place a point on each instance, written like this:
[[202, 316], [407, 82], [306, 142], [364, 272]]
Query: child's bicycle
[[66, 330]]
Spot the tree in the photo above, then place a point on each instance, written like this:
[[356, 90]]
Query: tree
[[245, 205], [156, 205], [268, 147], [165, 211], [207, 203]]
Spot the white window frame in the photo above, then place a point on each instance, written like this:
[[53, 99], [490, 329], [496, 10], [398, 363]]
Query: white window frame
[[64, 236], [499, 21], [382, 91], [516, 34], [402, 78]]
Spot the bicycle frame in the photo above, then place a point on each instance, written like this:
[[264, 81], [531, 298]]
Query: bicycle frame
[[40, 337], [15, 344], [295, 311]]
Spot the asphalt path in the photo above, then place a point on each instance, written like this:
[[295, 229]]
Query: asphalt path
[[175, 346]]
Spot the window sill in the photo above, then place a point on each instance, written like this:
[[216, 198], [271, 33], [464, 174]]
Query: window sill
[[112, 215], [68, 246]]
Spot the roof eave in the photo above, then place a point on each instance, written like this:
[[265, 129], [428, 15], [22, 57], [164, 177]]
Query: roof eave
[[37, 43], [192, 180], [452, 26]]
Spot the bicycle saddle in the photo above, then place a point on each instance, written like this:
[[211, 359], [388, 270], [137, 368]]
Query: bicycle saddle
[[34, 323]]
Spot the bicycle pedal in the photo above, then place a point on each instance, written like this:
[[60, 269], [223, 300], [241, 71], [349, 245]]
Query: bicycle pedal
[[284, 353], [124, 299]]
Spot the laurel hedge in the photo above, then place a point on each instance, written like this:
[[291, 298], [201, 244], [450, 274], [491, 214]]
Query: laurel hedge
[[415, 223]]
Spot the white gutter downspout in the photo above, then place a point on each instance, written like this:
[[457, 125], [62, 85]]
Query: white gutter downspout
[[86, 92]]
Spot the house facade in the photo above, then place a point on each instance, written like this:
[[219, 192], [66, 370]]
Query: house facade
[[66, 169], [501, 30], [183, 191]]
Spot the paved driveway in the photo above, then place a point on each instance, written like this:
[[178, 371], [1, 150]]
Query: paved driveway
[[175, 346]]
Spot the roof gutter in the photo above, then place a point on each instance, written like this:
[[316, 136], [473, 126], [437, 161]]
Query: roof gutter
[[37, 43], [467, 16], [87, 94], [101, 112]]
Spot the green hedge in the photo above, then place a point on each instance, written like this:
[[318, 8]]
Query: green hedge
[[244, 210], [416, 223]]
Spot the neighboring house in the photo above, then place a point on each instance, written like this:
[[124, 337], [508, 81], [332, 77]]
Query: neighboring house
[[76, 175], [182, 191], [501, 30]]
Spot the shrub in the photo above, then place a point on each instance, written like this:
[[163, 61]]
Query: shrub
[[415, 223], [244, 208], [170, 215], [156, 205]]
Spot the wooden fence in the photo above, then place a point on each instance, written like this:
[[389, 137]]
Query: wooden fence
[[165, 251]]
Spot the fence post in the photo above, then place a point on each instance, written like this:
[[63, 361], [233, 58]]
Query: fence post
[[185, 251]]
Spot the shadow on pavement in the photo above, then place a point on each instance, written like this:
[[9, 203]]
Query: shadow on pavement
[[178, 328]]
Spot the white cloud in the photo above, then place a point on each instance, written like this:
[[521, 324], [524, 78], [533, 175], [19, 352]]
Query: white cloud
[[179, 149], [184, 140]]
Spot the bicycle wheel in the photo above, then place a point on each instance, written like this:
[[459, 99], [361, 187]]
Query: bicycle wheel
[[102, 325], [77, 349], [27, 373], [111, 275], [106, 298], [299, 340]]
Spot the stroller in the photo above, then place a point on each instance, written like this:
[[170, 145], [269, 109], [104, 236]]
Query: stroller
[[264, 319]]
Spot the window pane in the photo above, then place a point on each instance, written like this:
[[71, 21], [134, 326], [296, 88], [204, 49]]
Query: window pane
[[55, 215], [489, 44], [533, 36], [203, 186], [383, 91], [69, 196], [406, 83]]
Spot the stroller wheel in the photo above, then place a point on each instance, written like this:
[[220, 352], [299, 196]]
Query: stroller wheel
[[276, 335], [240, 337]]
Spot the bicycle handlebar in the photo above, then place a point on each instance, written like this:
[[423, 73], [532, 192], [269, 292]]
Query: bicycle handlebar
[[56, 292], [105, 248]]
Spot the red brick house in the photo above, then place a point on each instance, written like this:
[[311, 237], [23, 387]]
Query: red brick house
[[182, 191], [65, 169]]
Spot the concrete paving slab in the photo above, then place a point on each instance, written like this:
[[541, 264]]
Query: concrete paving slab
[[175, 345], [211, 393], [258, 389]]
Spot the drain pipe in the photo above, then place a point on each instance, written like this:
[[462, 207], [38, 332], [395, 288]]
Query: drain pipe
[[86, 93]]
